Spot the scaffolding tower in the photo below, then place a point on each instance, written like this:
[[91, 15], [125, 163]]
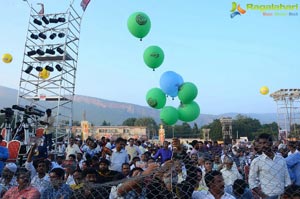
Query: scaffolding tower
[[288, 111], [49, 65]]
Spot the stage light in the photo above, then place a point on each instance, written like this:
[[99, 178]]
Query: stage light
[[61, 19], [34, 36], [53, 20], [50, 51], [42, 35], [52, 36], [40, 52], [49, 68], [61, 51], [38, 22], [61, 35], [30, 53], [39, 69], [28, 70], [58, 67], [45, 20]]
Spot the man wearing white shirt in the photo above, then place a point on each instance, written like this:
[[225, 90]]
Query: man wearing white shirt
[[72, 148], [268, 173], [132, 149], [229, 174], [215, 183], [39, 177], [292, 147]]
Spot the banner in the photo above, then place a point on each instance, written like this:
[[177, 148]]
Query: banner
[[84, 4]]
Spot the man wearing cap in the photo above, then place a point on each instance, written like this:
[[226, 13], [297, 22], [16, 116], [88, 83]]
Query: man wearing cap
[[8, 178], [3, 155]]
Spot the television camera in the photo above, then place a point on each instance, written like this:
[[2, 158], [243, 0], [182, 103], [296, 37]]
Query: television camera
[[8, 112], [29, 110]]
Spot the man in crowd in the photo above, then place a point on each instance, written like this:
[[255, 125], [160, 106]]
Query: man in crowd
[[268, 172]]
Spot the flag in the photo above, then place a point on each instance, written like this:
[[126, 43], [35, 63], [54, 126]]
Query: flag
[[84, 4], [41, 12]]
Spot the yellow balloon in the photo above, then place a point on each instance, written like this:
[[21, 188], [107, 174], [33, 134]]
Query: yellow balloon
[[44, 74], [7, 58], [264, 90]]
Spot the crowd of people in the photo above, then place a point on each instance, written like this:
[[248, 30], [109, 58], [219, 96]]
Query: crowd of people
[[128, 169]]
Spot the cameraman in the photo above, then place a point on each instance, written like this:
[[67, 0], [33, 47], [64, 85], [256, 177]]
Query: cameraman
[[48, 121]]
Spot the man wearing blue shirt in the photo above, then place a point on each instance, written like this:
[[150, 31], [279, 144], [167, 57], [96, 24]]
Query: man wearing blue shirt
[[3, 155], [164, 153], [293, 164]]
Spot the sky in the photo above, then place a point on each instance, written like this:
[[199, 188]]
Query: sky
[[228, 59]]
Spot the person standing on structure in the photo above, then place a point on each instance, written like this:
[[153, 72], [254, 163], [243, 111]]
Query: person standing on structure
[[48, 121]]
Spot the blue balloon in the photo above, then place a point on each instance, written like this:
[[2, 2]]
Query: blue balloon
[[170, 83]]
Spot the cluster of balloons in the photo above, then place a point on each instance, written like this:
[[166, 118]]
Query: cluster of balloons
[[264, 90], [7, 58], [172, 84]]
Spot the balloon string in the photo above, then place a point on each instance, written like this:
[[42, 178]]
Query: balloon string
[[141, 39]]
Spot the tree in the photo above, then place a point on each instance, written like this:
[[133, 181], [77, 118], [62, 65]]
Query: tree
[[104, 123], [195, 131], [76, 123], [245, 126], [215, 132], [129, 122]]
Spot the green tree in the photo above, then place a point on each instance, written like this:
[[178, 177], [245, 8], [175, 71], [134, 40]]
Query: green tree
[[215, 132], [150, 124], [76, 123], [129, 122], [105, 123], [195, 131], [271, 129], [245, 126]]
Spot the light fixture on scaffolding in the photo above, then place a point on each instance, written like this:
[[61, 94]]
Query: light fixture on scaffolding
[[58, 67], [45, 20], [40, 52], [61, 19], [49, 68], [50, 51], [61, 35], [52, 36], [39, 69], [53, 20], [61, 51], [34, 36], [28, 69], [38, 22], [31, 53], [42, 35]]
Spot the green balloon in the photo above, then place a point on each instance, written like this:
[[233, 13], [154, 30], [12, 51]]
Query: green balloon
[[153, 56], [187, 92], [139, 24], [188, 112], [156, 98], [169, 115]]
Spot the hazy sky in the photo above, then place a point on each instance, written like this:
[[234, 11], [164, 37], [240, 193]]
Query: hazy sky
[[227, 59]]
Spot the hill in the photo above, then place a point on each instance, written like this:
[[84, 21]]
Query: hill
[[97, 110]]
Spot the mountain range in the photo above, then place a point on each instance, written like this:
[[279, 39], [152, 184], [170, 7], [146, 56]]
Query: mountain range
[[98, 110]]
